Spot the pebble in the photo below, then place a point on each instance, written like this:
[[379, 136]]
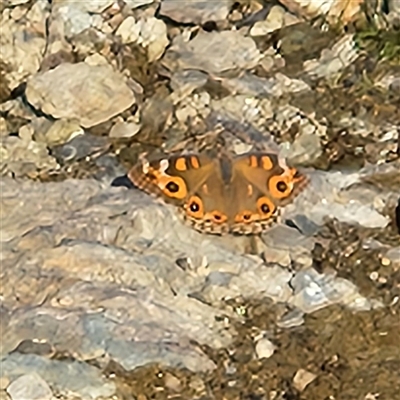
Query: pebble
[[264, 348], [302, 379], [129, 31], [172, 382], [58, 132], [29, 387], [124, 130], [195, 12], [153, 37], [274, 21]]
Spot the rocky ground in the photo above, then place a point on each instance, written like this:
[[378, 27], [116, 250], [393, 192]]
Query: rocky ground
[[105, 293]]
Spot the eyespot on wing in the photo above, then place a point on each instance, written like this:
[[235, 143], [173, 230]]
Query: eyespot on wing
[[265, 207], [281, 186], [194, 207]]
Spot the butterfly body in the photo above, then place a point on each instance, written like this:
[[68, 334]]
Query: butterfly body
[[240, 194]]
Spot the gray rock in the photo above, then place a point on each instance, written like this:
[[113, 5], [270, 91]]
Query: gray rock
[[204, 52], [251, 85], [305, 149], [313, 291], [103, 274], [185, 82], [67, 377], [89, 94], [195, 11], [80, 147], [29, 387], [76, 17]]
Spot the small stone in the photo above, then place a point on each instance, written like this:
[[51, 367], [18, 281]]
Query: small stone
[[385, 261], [128, 30], [264, 348], [197, 384], [153, 36], [184, 113], [306, 148], [302, 379], [124, 130], [29, 387], [277, 256], [374, 276], [274, 21], [172, 382], [61, 131]]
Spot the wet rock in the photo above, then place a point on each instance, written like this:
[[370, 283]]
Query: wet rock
[[30, 386], [195, 12], [89, 94], [204, 52]]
